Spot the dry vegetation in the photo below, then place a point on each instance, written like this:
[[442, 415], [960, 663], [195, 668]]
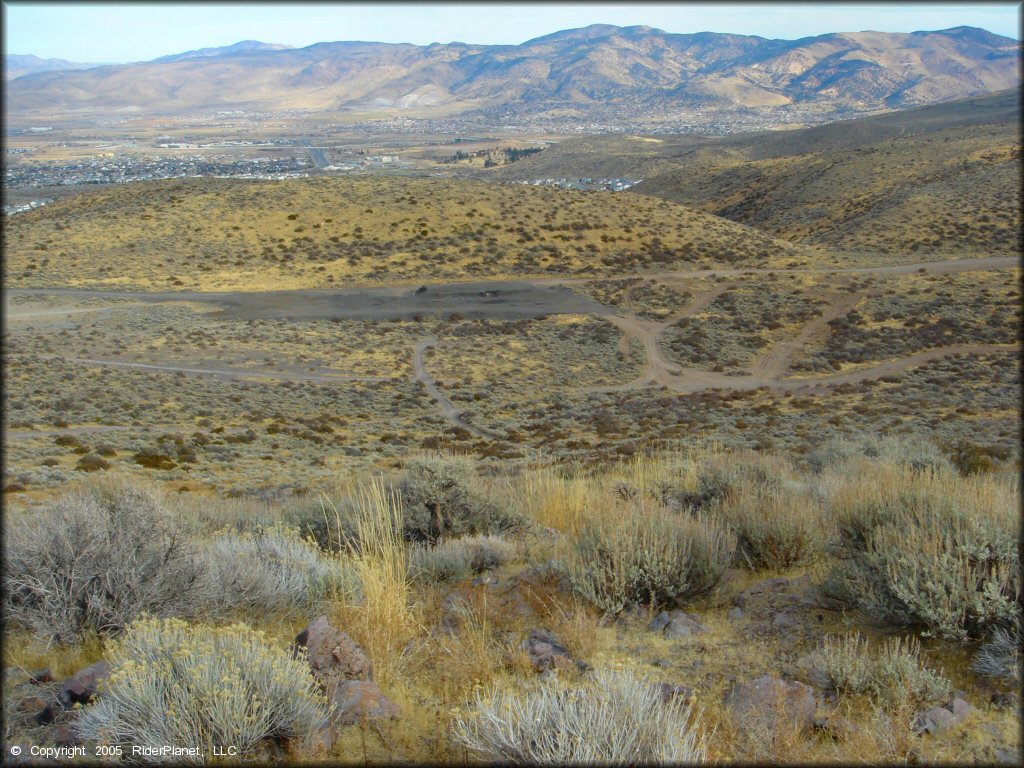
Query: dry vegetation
[[590, 558], [215, 234]]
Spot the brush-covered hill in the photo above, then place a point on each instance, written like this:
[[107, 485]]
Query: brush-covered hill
[[942, 180], [218, 234], [580, 70]]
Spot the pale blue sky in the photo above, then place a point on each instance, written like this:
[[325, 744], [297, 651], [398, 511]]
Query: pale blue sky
[[119, 32]]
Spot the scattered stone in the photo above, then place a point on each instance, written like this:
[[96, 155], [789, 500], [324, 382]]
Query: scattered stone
[[670, 691], [1006, 700], [764, 698], [735, 613], [768, 585], [357, 700], [939, 719], [41, 676], [81, 687], [32, 704], [545, 651], [46, 715], [64, 737], [332, 654]]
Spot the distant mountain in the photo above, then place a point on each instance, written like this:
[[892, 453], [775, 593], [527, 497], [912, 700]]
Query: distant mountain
[[16, 65], [244, 45], [575, 71]]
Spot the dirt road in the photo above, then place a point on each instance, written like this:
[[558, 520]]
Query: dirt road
[[453, 414]]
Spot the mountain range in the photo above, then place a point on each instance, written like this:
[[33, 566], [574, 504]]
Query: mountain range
[[17, 65], [579, 69]]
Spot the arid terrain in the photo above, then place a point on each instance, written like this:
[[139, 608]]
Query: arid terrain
[[721, 466]]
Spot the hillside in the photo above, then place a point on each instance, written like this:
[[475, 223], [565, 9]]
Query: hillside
[[941, 180], [235, 234], [641, 68], [17, 65]]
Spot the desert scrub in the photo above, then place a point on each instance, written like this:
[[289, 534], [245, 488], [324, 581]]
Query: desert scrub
[[274, 569], [724, 474], [457, 558], [927, 549], [649, 556], [98, 558], [616, 718], [440, 498], [896, 670], [202, 687], [999, 657], [917, 454], [774, 528]]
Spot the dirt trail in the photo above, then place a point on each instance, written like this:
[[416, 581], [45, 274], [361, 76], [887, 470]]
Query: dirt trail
[[696, 380], [447, 408], [775, 362]]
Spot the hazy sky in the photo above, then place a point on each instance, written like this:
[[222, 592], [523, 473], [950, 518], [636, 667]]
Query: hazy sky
[[119, 32]]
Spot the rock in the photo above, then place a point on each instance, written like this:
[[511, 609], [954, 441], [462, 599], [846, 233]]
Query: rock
[[41, 676], [357, 700], [764, 698], [332, 654], [1006, 700], [545, 650], [47, 714], [65, 737], [32, 704], [676, 624], [783, 621], [1007, 756], [659, 622], [811, 671], [670, 691], [735, 613], [81, 687], [768, 585], [939, 719], [661, 663]]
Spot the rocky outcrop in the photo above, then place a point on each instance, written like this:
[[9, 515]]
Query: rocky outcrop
[[763, 700]]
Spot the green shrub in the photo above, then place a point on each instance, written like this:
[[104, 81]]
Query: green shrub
[[919, 455], [439, 500], [650, 557], [275, 570], [617, 718], [928, 549], [458, 558], [98, 558], [775, 529], [895, 671], [201, 687]]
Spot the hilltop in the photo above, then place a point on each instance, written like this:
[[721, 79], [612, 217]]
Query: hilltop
[[213, 234]]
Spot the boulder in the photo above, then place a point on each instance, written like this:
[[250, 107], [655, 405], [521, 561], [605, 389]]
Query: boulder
[[333, 655], [763, 699], [41, 676], [81, 687], [940, 719], [360, 700], [545, 651], [676, 624]]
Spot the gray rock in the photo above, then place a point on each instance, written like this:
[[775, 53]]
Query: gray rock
[[81, 687], [332, 654], [939, 719], [659, 622], [766, 698], [546, 651], [670, 691], [360, 700], [735, 613]]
